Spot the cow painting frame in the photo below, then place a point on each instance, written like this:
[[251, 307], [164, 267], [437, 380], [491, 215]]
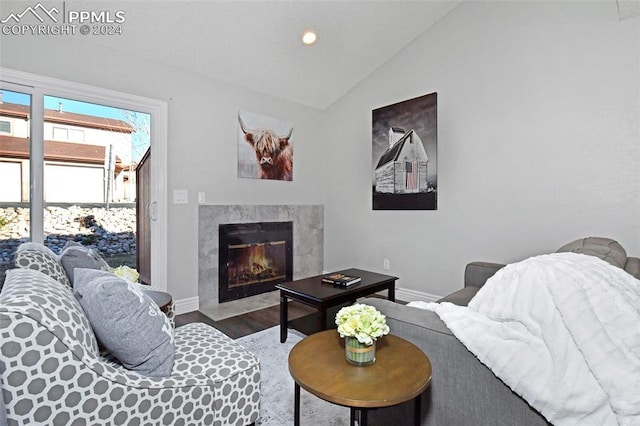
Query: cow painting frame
[[265, 148], [404, 155]]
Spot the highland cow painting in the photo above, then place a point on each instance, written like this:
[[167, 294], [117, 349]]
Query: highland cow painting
[[265, 149], [404, 139]]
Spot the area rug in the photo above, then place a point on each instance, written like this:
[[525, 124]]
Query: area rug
[[276, 389]]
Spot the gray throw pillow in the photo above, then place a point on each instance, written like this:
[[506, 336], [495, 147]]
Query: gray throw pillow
[[76, 255], [126, 322], [605, 248]]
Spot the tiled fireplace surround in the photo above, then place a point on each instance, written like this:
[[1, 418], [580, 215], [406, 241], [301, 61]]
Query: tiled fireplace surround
[[308, 247]]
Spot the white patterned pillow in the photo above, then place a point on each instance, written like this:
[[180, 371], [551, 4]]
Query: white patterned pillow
[[126, 322], [44, 261], [41, 298]]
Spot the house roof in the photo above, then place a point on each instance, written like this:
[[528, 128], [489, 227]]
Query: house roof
[[392, 153], [69, 118], [14, 110], [13, 147]]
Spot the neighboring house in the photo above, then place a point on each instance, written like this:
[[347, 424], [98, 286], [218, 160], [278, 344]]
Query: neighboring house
[[85, 157], [402, 169]]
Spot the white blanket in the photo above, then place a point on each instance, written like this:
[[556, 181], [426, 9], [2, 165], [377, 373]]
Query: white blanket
[[561, 330]]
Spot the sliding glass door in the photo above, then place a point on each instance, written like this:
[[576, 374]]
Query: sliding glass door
[[69, 168], [15, 196]]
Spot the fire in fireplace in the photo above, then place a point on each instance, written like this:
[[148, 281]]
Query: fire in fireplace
[[253, 258]]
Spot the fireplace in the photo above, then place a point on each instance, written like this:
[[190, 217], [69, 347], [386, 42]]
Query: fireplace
[[253, 258]]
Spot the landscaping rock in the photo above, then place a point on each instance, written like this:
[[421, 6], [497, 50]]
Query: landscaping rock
[[112, 231]]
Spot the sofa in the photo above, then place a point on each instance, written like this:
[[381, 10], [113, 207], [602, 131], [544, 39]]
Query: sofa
[[464, 391], [55, 371]]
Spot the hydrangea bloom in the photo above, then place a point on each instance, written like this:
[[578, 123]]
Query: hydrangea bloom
[[363, 322], [127, 273]]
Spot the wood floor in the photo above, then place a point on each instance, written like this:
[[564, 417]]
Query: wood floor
[[248, 323], [252, 322]]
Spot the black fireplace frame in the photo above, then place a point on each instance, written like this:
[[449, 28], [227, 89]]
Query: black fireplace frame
[[251, 233]]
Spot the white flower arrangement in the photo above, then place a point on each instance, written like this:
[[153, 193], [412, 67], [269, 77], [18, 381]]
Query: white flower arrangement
[[129, 274], [363, 322]]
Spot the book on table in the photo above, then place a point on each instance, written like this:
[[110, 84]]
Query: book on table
[[340, 279]]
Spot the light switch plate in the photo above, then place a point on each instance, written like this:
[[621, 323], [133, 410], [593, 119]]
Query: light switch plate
[[180, 196], [201, 198]]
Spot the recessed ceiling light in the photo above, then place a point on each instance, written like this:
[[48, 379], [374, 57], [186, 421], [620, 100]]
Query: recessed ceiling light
[[309, 37]]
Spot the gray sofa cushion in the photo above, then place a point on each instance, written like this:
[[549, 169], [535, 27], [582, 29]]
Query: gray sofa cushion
[[633, 266], [126, 322]]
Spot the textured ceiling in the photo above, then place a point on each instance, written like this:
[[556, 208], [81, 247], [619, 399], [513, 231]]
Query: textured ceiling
[[628, 8], [256, 44]]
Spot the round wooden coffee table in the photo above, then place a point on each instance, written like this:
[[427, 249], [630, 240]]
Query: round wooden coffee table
[[318, 365]]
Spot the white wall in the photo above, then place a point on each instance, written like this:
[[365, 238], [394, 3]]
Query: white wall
[[202, 134], [538, 142]]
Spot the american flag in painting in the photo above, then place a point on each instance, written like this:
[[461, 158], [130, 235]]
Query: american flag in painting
[[412, 174]]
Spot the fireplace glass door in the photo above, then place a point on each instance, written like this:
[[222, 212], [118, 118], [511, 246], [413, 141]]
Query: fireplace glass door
[[254, 257]]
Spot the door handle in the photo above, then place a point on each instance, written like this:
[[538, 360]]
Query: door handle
[[153, 210]]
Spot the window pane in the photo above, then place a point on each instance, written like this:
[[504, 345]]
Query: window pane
[[60, 134], [5, 126], [76, 135], [91, 153], [15, 110]]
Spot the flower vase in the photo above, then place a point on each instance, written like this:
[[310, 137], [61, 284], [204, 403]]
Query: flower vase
[[358, 353]]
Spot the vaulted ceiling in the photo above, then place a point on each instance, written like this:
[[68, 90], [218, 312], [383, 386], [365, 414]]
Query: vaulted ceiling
[[257, 44]]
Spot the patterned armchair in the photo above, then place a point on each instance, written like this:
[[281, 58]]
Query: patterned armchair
[[51, 371]]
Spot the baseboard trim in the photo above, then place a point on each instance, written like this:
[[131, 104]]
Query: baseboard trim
[[408, 295], [189, 304]]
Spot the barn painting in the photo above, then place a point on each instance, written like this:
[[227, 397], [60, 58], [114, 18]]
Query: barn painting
[[265, 149], [404, 155]]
